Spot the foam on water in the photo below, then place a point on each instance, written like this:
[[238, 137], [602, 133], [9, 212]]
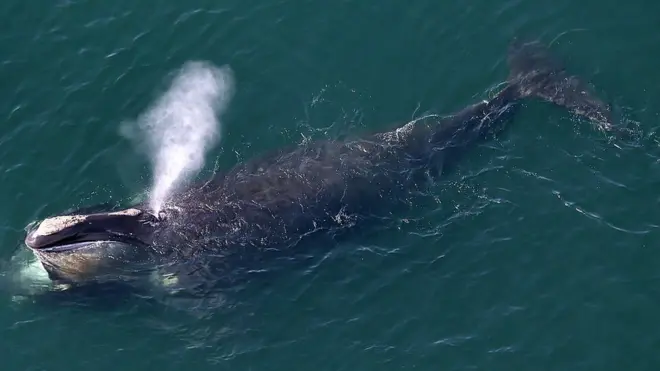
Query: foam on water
[[182, 126]]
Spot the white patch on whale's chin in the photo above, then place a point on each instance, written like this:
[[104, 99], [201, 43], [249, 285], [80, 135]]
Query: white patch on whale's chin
[[28, 277], [33, 271]]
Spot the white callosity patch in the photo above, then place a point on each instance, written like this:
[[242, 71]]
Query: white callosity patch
[[58, 223]]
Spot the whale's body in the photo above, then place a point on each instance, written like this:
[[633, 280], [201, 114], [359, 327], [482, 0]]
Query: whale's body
[[272, 202]]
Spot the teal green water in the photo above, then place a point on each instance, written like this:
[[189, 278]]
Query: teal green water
[[541, 253]]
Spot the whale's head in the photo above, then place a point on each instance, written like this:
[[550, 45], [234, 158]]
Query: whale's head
[[83, 247]]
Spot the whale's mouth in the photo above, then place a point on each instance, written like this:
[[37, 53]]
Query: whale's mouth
[[80, 242], [71, 232]]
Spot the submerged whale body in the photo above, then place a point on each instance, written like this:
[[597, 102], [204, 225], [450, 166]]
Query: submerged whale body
[[272, 202]]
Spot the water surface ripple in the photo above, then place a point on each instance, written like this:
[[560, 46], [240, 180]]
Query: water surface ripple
[[540, 253]]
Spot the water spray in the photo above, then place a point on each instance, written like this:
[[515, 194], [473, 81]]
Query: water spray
[[182, 126]]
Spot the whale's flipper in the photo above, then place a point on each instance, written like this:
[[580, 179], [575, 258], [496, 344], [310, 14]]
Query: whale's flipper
[[538, 74]]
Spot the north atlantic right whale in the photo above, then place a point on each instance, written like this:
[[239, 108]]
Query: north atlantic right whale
[[271, 203]]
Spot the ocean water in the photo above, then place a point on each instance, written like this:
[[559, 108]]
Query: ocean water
[[542, 252]]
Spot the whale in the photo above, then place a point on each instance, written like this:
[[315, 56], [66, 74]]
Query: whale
[[269, 205]]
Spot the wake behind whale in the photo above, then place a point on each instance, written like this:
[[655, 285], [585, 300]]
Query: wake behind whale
[[181, 126]]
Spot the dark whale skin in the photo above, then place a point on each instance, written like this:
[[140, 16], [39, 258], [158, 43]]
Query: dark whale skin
[[272, 202]]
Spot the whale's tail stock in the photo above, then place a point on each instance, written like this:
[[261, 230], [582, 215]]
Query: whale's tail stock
[[537, 73], [534, 72]]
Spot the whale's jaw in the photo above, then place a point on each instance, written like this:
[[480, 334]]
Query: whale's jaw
[[93, 247]]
